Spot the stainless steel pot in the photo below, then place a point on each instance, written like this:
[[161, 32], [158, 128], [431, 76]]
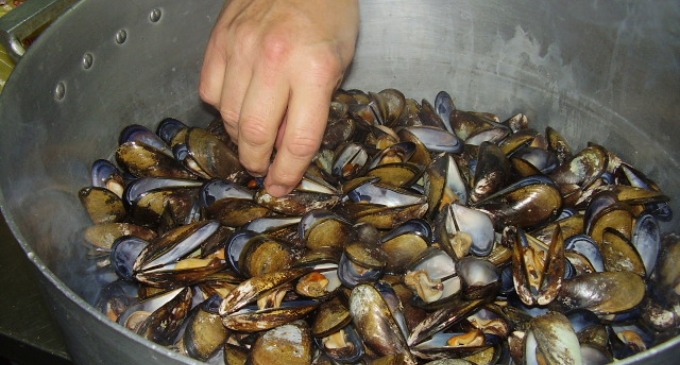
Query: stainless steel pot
[[606, 72]]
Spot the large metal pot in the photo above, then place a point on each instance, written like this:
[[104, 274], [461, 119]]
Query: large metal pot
[[601, 71]]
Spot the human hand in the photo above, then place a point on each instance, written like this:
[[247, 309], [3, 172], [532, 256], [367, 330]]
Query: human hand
[[271, 68]]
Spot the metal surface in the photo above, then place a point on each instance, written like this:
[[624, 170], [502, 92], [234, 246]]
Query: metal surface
[[26, 20], [28, 335], [606, 73]]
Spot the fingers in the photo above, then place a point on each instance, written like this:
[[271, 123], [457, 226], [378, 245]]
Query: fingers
[[212, 73], [305, 124], [234, 86], [270, 68], [263, 109]]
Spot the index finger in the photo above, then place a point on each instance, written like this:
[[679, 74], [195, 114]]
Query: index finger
[[305, 125]]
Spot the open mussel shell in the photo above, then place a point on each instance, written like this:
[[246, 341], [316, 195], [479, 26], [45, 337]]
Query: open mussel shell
[[405, 243], [495, 134], [138, 188], [421, 154], [230, 203], [249, 290], [340, 128], [116, 297], [466, 124], [375, 322], [619, 254], [163, 324], [331, 316], [204, 334], [444, 184], [300, 201], [169, 128], [142, 160], [517, 141], [542, 161], [616, 217], [570, 225], [290, 344], [479, 277], [395, 153], [209, 156], [321, 228], [537, 272], [433, 279], [124, 252], [637, 196], [352, 274], [343, 346], [435, 139], [102, 236], [384, 217], [320, 283], [451, 344], [252, 254], [186, 272], [253, 319], [527, 203], [465, 230], [366, 113], [382, 138], [366, 255], [390, 103], [372, 192], [236, 246], [350, 160], [441, 319], [584, 168], [152, 200], [602, 292], [558, 145], [171, 260], [444, 106], [551, 340], [175, 245], [143, 135], [626, 175], [647, 240], [398, 175], [102, 205], [335, 335], [104, 174], [585, 246], [492, 172], [271, 225], [667, 281], [491, 320]]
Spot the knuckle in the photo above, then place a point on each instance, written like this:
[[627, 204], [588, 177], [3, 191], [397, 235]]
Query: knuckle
[[276, 47], [207, 94], [229, 115], [254, 166], [288, 179], [326, 65], [302, 148], [254, 131], [246, 35]]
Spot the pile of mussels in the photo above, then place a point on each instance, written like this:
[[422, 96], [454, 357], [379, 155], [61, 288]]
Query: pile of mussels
[[420, 234]]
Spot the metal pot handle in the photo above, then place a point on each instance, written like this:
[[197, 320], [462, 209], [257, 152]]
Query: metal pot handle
[[25, 20]]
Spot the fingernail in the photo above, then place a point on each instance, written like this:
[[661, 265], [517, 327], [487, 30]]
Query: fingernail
[[278, 190]]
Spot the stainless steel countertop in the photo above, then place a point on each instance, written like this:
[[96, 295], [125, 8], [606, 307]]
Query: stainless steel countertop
[[28, 334]]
